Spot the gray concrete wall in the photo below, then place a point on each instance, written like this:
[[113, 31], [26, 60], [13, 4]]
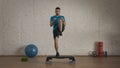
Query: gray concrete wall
[[1, 27], [88, 21]]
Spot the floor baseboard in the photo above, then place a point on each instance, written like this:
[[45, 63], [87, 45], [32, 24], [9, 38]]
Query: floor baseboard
[[47, 55]]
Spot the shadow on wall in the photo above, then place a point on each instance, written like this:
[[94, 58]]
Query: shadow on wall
[[20, 51], [95, 48], [114, 44]]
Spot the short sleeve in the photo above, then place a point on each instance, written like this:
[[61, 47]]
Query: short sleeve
[[51, 18], [63, 18]]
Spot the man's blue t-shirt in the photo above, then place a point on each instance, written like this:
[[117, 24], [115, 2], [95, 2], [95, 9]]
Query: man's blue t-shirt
[[56, 18]]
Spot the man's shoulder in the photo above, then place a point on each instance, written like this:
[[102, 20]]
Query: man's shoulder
[[53, 16]]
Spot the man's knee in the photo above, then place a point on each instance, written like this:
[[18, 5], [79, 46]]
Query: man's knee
[[60, 21]]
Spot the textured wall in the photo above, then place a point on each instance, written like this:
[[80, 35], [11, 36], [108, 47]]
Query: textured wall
[[1, 23], [88, 21]]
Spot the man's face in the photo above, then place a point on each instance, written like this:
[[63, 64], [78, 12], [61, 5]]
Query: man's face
[[57, 11]]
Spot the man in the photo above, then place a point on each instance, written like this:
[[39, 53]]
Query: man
[[58, 23]]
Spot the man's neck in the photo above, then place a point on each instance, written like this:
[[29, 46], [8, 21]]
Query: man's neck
[[57, 14]]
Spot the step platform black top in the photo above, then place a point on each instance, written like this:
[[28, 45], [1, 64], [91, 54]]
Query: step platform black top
[[60, 57], [71, 58]]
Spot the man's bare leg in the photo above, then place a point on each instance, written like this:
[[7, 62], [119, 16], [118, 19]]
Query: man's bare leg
[[60, 24], [56, 45]]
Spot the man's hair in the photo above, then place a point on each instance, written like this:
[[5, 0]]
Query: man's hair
[[57, 8]]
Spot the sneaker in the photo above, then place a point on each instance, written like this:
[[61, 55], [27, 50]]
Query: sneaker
[[60, 33], [57, 54]]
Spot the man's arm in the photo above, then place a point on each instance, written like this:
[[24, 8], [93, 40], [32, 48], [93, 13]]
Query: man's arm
[[52, 20], [63, 19], [51, 24], [64, 23]]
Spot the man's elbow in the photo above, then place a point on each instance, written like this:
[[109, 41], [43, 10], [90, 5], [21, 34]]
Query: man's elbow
[[51, 25]]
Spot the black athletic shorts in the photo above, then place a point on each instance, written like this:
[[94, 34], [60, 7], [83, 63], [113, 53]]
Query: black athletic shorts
[[56, 32]]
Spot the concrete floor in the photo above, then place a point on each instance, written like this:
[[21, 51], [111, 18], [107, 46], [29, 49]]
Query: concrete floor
[[81, 62]]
